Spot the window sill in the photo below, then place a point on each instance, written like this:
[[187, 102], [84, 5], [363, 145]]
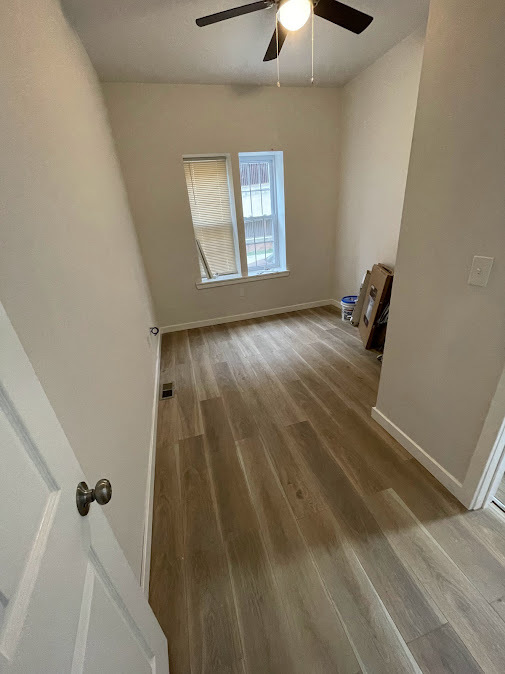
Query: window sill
[[231, 280]]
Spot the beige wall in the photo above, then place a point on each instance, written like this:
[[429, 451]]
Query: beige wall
[[154, 125], [378, 109], [71, 278], [446, 340]]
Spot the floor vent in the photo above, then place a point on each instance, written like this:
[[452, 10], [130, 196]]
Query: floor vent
[[167, 391]]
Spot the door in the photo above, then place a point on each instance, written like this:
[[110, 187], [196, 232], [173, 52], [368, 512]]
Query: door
[[69, 602]]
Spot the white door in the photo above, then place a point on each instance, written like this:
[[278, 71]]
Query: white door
[[69, 602]]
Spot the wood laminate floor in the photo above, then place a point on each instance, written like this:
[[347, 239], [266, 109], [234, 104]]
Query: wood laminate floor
[[291, 533]]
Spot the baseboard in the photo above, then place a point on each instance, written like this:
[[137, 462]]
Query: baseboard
[[148, 513], [438, 471], [243, 317]]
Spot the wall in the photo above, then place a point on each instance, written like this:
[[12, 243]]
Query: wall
[[154, 125], [378, 109], [71, 277], [446, 348]]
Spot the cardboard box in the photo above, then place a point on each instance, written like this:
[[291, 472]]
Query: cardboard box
[[377, 294], [358, 307]]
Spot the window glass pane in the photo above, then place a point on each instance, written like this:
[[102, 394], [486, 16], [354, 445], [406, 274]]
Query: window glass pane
[[209, 200], [246, 194], [257, 181]]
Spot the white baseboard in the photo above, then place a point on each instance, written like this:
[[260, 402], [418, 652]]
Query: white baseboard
[[243, 317], [148, 514], [438, 471]]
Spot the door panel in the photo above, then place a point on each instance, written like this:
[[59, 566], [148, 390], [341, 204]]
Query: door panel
[[68, 599], [106, 614], [22, 484], [29, 497]]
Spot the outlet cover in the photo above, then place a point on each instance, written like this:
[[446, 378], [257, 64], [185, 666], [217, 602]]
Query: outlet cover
[[481, 268]]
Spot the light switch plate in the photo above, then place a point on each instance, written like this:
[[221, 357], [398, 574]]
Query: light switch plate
[[481, 268]]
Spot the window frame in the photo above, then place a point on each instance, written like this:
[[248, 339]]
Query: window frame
[[278, 160], [238, 222], [265, 159]]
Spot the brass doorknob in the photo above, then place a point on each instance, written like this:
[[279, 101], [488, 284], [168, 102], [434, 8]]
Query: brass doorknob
[[102, 494]]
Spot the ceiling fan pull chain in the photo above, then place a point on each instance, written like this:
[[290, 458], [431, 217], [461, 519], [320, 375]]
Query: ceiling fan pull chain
[[312, 46], [277, 46]]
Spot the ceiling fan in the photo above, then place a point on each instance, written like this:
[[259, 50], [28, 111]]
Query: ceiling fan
[[293, 14]]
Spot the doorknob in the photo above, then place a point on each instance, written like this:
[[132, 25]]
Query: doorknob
[[102, 494]]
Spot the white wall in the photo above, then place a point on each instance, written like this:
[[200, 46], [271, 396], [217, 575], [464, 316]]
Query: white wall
[[378, 109], [446, 340], [154, 125], [71, 277]]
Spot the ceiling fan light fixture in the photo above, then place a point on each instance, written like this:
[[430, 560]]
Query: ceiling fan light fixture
[[293, 14]]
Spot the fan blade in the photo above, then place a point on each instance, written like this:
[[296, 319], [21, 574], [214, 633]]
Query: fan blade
[[271, 52], [236, 11], [343, 15]]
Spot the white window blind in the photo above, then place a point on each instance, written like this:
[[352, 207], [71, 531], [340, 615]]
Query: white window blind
[[209, 199]]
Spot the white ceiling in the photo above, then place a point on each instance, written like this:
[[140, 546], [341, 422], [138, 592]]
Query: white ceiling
[[158, 41]]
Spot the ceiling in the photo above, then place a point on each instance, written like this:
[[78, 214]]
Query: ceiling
[[158, 41]]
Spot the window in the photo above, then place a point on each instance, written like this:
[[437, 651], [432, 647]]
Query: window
[[259, 207], [221, 242], [209, 199]]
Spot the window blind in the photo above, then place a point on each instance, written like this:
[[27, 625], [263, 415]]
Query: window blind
[[209, 199]]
